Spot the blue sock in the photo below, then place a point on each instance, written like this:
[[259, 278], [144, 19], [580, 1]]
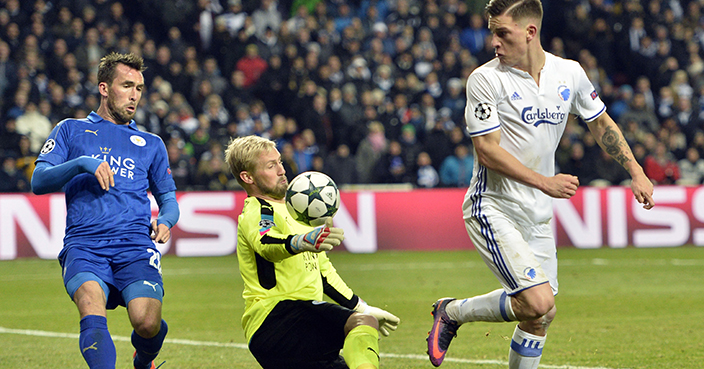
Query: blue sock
[[148, 348], [96, 344]]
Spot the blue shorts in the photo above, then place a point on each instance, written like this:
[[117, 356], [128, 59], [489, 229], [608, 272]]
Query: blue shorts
[[123, 269]]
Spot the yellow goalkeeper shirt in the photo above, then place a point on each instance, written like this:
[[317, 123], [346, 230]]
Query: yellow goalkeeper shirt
[[271, 272]]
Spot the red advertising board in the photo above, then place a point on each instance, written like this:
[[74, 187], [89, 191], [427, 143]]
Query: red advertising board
[[383, 220]]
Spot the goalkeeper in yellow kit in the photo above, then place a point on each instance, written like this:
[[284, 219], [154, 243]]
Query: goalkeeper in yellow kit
[[286, 272]]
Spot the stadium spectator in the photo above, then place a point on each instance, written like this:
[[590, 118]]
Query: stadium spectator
[[212, 173], [266, 16], [391, 168], [288, 161], [456, 170], [473, 38], [233, 18], [103, 259], [182, 169], [34, 125], [7, 71], [252, 65], [639, 112], [691, 168], [370, 150], [199, 141], [341, 166], [687, 117], [410, 145], [25, 160], [12, 179], [665, 103], [303, 153], [265, 237], [10, 139], [579, 166], [661, 165], [425, 174]]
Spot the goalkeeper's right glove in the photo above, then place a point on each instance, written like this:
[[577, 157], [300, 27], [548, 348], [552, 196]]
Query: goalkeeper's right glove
[[322, 238], [387, 321]]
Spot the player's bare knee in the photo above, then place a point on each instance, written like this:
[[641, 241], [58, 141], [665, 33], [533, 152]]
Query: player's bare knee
[[357, 319], [541, 307], [147, 327], [550, 316], [535, 308]]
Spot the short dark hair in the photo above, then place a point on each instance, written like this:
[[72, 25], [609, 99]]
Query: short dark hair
[[516, 9], [106, 68]]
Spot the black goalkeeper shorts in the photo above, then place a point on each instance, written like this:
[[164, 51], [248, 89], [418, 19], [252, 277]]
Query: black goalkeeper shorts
[[301, 335]]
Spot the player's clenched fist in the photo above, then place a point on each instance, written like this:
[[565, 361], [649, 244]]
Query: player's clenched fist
[[160, 232], [105, 176], [561, 186]]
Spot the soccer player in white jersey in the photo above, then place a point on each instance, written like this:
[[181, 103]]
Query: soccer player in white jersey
[[517, 107]]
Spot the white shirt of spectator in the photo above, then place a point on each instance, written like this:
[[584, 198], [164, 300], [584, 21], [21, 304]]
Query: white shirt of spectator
[[531, 119]]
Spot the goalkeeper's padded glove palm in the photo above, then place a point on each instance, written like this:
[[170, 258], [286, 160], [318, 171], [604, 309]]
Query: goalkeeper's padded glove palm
[[322, 238], [387, 321]]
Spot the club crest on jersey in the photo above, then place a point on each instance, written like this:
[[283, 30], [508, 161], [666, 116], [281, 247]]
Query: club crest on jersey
[[138, 140], [48, 146], [482, 111], [564, 92], [530, 273]]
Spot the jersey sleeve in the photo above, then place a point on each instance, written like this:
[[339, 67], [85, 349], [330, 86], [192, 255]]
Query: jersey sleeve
[[267, 231], [481, 110], [333, 285], [587, 104], [56, 148], [160, 179]]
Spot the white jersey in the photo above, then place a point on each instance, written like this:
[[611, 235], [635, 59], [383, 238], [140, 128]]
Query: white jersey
[[531, 119]]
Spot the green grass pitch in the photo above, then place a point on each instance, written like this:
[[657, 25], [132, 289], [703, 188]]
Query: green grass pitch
[[617, 308]]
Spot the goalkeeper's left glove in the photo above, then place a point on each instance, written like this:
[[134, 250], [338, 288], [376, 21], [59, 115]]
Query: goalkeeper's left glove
[[322, 238], [387, 321]]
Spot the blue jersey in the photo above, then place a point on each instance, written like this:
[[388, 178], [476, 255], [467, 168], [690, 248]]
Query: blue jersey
[[139, 163]]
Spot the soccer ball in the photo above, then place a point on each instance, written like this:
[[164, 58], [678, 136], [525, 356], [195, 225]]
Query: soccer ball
[[312, 197]]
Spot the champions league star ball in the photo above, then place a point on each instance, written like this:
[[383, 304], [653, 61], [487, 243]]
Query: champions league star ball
[[312, 197]]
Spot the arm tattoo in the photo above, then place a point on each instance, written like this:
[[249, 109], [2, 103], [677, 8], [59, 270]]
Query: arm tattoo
[[613, 145]]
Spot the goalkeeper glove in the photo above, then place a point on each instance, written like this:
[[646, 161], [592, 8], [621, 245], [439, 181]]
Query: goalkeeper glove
[[387, 321], [322, 238]]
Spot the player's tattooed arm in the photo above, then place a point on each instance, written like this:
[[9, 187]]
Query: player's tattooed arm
[[615, 145]]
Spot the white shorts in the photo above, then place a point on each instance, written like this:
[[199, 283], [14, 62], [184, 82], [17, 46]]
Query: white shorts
[[520, 257]]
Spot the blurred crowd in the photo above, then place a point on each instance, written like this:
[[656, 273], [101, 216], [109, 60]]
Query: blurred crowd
[[367, 91]]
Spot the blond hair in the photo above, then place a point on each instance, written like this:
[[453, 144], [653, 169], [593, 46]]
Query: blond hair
[[242, 154]]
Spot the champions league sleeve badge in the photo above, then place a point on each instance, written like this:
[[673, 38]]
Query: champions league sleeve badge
[[48, 146], [482, 111]]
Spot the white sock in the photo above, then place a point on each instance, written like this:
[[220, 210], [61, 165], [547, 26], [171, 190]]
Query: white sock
[[526, 350], [495, 306]]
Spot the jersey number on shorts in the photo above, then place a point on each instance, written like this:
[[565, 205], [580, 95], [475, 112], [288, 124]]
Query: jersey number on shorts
[[155, 260]]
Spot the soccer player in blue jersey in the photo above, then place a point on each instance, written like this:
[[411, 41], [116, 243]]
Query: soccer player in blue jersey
[[286, 272], [106, 166]]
